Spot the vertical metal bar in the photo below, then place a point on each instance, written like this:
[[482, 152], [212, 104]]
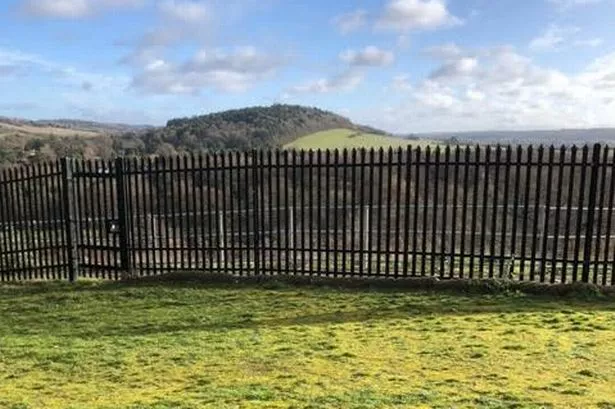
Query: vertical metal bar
[[216, 211], [400, 158], [474, 210], [140, 263], [573, 157], [447, 161], [247, 157], [453, 253], [194, 246], [256, 206], [240, 189], [148, 202], [67, 198], [7, 227], [81, 214], [425, 210], [494, 210], [603, 165], [295, 210], [591, 212], [175, 172], [536, 218], [223, 210], [12, 206], [98, 225], [464, 211], [270, 229], [526, 210], [123, 216], [344, 208], [609, 220], [579, 226], [379, 214], [28, 219], [262, 211], [114, 214], [35, 251], [483, 218], [336, 159], [415, 216], [288, 210], [515, 215], [23, 229], [353, 210], [505, 210], [434, 214], [545, 231], [278, 169], [408, 178], [165, 246], [558, 211], [370, 204], [50, 221], [362, 202], [310, 204], [389, 203]]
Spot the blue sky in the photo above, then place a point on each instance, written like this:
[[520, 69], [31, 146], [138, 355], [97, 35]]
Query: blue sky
[[402, 65]]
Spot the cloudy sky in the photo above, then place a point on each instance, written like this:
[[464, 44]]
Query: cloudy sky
[[402, 65]]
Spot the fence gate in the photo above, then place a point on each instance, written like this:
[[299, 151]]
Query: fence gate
[[99, 218]]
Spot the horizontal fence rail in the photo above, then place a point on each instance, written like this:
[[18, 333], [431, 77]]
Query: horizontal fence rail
[[523, 213]]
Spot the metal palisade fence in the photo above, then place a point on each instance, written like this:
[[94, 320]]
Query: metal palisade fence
[[522, 213]]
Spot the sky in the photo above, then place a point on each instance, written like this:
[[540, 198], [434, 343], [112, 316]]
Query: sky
[[406, 66]]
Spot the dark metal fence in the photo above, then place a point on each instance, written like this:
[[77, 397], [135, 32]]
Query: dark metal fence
[[523, 213]]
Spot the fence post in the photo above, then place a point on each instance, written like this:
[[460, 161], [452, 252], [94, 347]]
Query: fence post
[[68, 206], [125, 266], [589, 226]]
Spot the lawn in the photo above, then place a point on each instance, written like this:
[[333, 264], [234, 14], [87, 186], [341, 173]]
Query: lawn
[[346, 138], [183, 345]]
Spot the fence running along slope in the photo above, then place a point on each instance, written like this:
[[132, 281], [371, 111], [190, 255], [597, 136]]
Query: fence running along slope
[[524, 213]]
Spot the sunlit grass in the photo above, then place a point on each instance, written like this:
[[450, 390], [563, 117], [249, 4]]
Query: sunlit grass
[[347, 138], [221, 346]]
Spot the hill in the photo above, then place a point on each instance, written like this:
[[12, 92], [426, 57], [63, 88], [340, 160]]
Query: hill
[[248, 128], [349, 138], [546, 137]]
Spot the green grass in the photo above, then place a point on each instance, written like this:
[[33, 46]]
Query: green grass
[[163, 346], [347, 138]]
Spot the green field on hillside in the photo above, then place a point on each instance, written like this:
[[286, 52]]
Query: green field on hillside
[[194, 345], [348, 138]]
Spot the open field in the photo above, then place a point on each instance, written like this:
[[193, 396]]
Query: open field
[[30, 130], [347, 138], [156, 346]]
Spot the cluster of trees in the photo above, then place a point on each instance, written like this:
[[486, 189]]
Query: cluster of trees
[[241, 129]]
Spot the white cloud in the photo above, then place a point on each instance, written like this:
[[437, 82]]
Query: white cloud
[[553, 38], [445, 51], [346, 81], [406, 15], [74, 9], [401, 83], [460, 67], [185, 11], [506, 91], [370, 56], [228, 71], [591, 42], [349, 22]]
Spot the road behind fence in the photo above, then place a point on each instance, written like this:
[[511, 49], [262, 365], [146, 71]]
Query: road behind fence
[[523, 213]]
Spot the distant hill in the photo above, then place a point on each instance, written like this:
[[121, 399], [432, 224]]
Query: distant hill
[[545, 137], [248, 128]]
